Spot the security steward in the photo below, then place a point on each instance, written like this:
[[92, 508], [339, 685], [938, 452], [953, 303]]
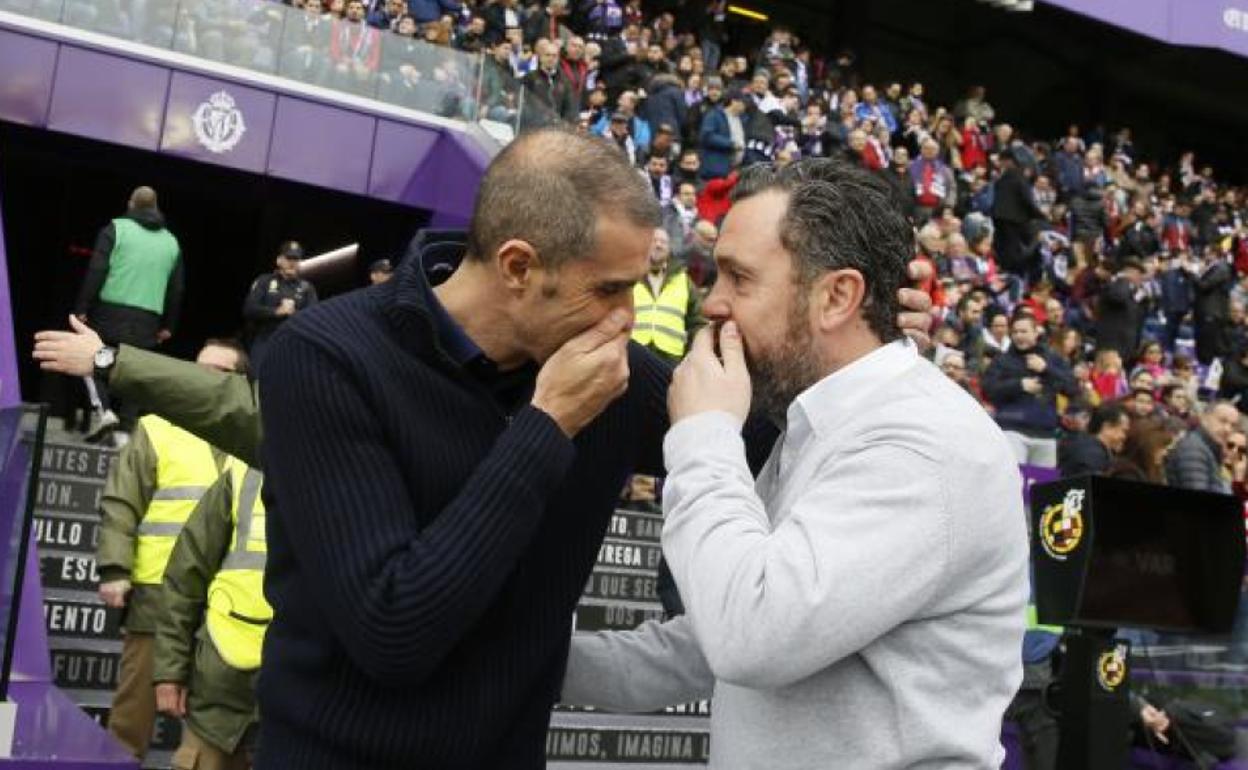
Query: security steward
[[667, 309], [208, 639], [274, 297], [151, 490], [667, 306]]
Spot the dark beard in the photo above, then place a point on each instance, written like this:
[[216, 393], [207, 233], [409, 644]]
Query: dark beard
[[781, 376]]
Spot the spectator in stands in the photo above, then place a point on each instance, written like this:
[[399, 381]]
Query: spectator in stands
[[665, 102], [214, 582], [1213, 307], [426, 11], [150, 492], [1093, 452], [1120, 315], [697, 254], [667, 305], [307, 44], [500, 16], [1140, 238], [1143, 454], [354, 50], [687, 168], [1022, 384], [722, 137], [1177, 404], [132, 293], [1140, 403], [548, 94], [274, 297], [1234, 383], [680, 214], [1088, 222], [387, 16], [1195, 462], [1177, 295], [575, 69], [953, 364], [1013, 209], [659, 180], [499, 89], [932, 181], [1044, 193], [976, 106], [472, 38], [871, 108], [547, 23], [997, 332]]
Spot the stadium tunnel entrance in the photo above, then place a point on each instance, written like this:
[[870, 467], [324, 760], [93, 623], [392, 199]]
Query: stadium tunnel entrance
[[57, 191]]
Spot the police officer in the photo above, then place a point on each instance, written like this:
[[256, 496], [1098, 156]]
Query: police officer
[[209, 638], [150, 492], [666, 303], [274, 297]]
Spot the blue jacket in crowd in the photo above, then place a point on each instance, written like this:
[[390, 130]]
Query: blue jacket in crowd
[[715, 139], [426, 11], [1177, 292]]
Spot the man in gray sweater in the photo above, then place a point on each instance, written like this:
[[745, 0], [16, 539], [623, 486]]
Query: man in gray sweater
[[861, 604]]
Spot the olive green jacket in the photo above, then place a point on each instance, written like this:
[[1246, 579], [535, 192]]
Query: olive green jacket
[[221, 700], [127, 493], [219, 408]]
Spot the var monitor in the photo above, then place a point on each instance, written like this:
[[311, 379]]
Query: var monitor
[[1110, 553]]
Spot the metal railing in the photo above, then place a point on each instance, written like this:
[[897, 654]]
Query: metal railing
[[267, 37]]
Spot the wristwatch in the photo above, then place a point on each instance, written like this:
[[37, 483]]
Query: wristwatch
[[104, 359]]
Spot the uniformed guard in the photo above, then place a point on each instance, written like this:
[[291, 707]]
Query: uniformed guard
[[209, 639], [667, 306], [274, 297], [152, 489]]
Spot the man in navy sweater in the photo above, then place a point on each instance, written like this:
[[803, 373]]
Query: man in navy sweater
[[443, 463]]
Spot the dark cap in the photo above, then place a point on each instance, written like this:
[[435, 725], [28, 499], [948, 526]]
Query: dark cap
[[619, 116], [291, 250], [381, 266]]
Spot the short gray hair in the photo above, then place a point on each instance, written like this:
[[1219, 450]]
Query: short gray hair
[[840, 216], [549, 188]]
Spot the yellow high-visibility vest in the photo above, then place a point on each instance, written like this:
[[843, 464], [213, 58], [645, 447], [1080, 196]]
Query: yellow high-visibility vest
[[660, 321], [185, 468], [238, 615]]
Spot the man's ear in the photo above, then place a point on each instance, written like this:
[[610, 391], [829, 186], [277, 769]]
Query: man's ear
[[837, 298], [517, 262]]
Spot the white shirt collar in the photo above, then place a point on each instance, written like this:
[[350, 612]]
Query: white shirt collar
[[836, 397]]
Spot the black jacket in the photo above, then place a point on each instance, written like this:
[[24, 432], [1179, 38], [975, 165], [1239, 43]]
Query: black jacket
[[1083, 455], [1017, 409], [548, 99], [1119, 318], [1087, 214], [429, 536], [1012, 199]]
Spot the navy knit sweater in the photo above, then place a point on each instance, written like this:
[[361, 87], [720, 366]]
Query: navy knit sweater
[[426, 549]]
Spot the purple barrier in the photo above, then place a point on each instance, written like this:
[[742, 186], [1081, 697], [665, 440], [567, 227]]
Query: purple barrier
[[1204, 23]]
